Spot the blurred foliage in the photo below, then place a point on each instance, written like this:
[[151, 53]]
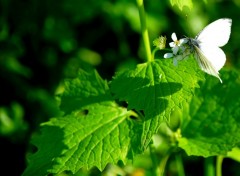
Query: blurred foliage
[[42, 42]]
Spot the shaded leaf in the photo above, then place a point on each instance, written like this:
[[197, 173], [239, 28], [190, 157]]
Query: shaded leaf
[[212, 125]]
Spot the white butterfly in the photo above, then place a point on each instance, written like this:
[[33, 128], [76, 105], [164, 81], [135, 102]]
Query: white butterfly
[[205, 46]]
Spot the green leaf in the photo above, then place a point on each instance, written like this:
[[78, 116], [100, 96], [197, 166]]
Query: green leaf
[[94, 132], [87, 88], [234, 154], [181, 3], [77, 140], [212, 125], [157, 88]]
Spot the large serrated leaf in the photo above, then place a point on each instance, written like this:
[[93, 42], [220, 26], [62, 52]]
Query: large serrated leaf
[[95, 131], [212, 125], [83, 90], [156, 88], [78, 140]]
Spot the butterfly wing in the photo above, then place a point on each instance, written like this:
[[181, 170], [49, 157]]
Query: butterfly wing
[[216, 33], [214, 54], [207, 56]]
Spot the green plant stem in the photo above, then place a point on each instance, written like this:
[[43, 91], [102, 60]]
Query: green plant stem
[[154, 162], [209, 169], [154, 51], [162, 165], [219, 165], [144, 29], [180, 167], [158, 167]]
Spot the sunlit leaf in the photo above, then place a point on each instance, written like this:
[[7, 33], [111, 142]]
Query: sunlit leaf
[[95, 131], [234, 154]]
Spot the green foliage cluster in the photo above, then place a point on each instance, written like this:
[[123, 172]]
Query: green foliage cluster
[[94, 130], [94, 122]]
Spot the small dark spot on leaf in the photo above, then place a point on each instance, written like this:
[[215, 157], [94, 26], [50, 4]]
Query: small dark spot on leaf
[[67, 173], [83, 112], [33, 148]]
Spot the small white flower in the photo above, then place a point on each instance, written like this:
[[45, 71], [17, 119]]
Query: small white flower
[[176, 44], [179, 50]]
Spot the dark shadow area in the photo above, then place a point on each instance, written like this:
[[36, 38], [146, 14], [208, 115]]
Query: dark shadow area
[[70, 104], [141, 95]]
